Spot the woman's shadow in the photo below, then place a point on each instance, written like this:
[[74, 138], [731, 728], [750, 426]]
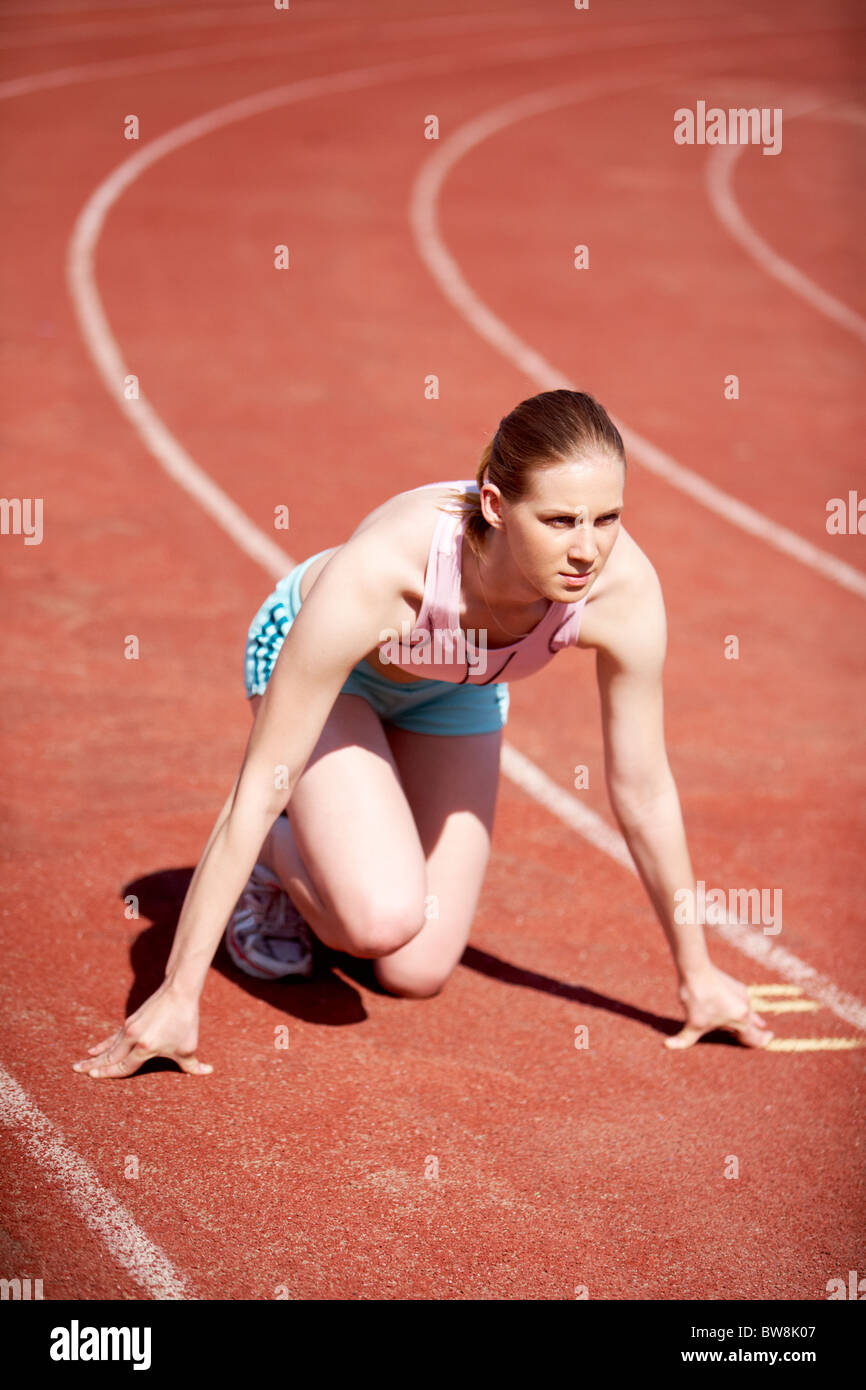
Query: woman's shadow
[[326, 997]]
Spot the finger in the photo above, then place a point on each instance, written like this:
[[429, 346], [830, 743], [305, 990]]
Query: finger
[[123, 1066], [686, 1037], [113, 1052], [89, 1062], [193, 1067], [752, 1031], [97, 1047]]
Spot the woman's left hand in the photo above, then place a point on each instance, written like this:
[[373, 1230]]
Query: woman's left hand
[[714, 1000]]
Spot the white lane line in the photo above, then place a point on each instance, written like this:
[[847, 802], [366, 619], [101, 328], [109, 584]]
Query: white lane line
[[278, 45], [790, 967], [209, 18], [612, 38], [189, 476], [423, 216], [385, 32], [845, 111], [159, 62], [79, 1185], [453, 25], [720, 169], [351, 33], [103, 346], [564, 805], [572, 812]]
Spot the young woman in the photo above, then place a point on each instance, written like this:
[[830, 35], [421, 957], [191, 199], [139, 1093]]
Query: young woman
[[377, 677]]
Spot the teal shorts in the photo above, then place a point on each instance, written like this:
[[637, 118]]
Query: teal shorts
[[427, 707]]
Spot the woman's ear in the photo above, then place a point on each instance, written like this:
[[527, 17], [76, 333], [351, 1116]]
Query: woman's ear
[[491, 505]]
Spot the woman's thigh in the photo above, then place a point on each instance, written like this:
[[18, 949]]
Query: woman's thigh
[[355, 833], [450, 784]]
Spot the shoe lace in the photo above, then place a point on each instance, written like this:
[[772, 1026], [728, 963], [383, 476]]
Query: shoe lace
[[275, 922], [261, 896], [275, 911]]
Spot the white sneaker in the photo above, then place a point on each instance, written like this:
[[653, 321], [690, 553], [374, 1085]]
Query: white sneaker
[[266, 936]]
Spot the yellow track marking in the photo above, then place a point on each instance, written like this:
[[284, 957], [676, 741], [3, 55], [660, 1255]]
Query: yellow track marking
[[788, 991], [784, 999], [784, 1006]]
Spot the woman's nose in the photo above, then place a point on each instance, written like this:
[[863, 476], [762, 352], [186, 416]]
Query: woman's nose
[[583, 544]]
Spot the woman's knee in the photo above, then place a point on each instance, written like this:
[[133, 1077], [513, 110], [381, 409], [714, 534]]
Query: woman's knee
[[379, 928], [408, 983]]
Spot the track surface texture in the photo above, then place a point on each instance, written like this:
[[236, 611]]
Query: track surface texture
[[462, 1146]]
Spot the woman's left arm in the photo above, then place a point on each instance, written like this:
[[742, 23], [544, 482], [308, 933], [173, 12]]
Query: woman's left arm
[[644, 799]]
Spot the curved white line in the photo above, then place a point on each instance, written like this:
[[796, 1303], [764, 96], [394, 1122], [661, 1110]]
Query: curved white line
[[572, 812], [719, 177], [453, 24], [172, 59], [103, 346], [423, 216], [845, 111], [278, 45], [79, 1185], [612, 38], [212, 18]]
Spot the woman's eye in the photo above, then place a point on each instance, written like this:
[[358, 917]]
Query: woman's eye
[[570, 520]]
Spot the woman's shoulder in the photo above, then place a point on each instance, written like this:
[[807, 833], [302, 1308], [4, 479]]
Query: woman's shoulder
[[397, 534], [407, 521]]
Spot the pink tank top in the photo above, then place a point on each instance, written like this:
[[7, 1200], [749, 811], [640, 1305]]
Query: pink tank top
[[437, 648]]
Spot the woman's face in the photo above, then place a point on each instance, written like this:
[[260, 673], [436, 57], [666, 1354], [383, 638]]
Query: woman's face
[[560, 535]]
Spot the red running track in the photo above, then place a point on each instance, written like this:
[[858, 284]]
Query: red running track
[[305, 1168]]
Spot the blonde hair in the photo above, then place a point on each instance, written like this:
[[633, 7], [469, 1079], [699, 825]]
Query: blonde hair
[[543, 431]]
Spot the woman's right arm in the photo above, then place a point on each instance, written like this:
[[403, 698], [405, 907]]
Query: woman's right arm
[[355, 598]]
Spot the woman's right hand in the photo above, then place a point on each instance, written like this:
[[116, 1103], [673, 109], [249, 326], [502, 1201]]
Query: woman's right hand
[[166, 1025]]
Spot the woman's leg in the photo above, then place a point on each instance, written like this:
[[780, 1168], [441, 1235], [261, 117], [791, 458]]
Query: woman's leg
[[348, 853], [450, 783]]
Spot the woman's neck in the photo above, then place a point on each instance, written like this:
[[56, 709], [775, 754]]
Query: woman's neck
[[496, 589]]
